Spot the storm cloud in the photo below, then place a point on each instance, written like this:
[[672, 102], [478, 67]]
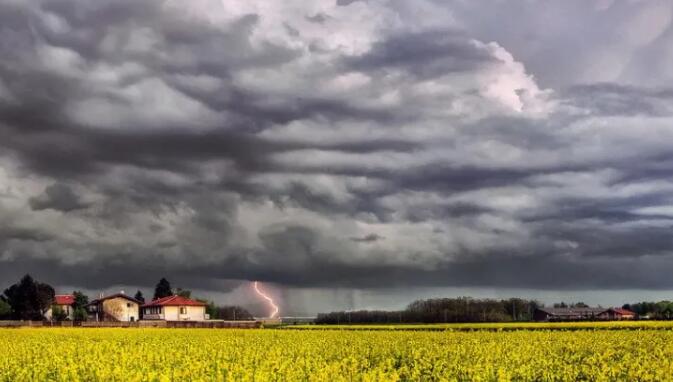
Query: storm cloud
[[336, 144]]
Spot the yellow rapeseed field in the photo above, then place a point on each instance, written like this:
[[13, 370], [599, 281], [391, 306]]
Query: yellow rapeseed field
[[580, 325], [333, 355]]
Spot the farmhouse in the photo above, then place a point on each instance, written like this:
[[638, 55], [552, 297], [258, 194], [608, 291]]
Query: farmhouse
[[617, 314], [567, 314], [63, 301], [175, 308], [116, 307], [577, 314]]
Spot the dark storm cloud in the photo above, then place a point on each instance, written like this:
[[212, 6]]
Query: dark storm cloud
[[16, 233], [551, 273], [344, 3], [425, 54], [206, 144], [457, 179], [318, 18], [367, 239], [59, 197], [612, 99], [215, 50], [37, 127], [84, 151], [75, 151]]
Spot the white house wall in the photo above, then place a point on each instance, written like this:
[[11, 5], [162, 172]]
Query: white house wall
[[193, 313], [66, 308]]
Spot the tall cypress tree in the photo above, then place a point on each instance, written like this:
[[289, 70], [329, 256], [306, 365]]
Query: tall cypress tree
[[81, 300], [163, 289], [139, 296]]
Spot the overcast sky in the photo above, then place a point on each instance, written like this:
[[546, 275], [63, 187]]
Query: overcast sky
[[347, 154]]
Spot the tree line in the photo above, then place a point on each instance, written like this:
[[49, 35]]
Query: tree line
[[29, 299], [437, 310], [467, 309], [662, 310]]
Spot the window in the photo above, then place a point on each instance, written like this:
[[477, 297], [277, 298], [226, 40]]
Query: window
[[128, 304], [183, 310]]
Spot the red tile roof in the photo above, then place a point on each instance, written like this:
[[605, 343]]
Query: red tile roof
[[64, 299], [174, 300], [624, 312], [122, 295]]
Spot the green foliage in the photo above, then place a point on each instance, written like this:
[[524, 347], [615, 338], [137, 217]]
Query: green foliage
[[186, 293], [81, 300], [232, 313], [80, 314], [211, 308], [58, 314], [519, 309], [229, 313], [5, 310], [139, 296], [662, 310], [461, 309], [163, 289]]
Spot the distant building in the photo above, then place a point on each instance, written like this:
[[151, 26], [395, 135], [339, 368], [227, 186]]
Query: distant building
[[297, 320], [116, 307], [617, 314], [579, 314], [175, 308], [63, 301]]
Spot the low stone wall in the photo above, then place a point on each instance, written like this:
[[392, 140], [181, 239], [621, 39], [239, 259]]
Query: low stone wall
[[107, 324], [37, 324], [214, 324], [151, 324], [18, 324], [58, 324]]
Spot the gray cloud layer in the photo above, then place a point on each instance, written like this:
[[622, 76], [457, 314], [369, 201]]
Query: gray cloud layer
[[360, 144]]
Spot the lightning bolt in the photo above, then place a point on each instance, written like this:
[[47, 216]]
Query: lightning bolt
[[267, 298]]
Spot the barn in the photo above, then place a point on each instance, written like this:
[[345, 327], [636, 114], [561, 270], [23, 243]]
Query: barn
[[567, 314], [617, 314], [580, 314]]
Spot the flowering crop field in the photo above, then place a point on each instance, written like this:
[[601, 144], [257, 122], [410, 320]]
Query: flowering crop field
[[71, 354], [580, 325]]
